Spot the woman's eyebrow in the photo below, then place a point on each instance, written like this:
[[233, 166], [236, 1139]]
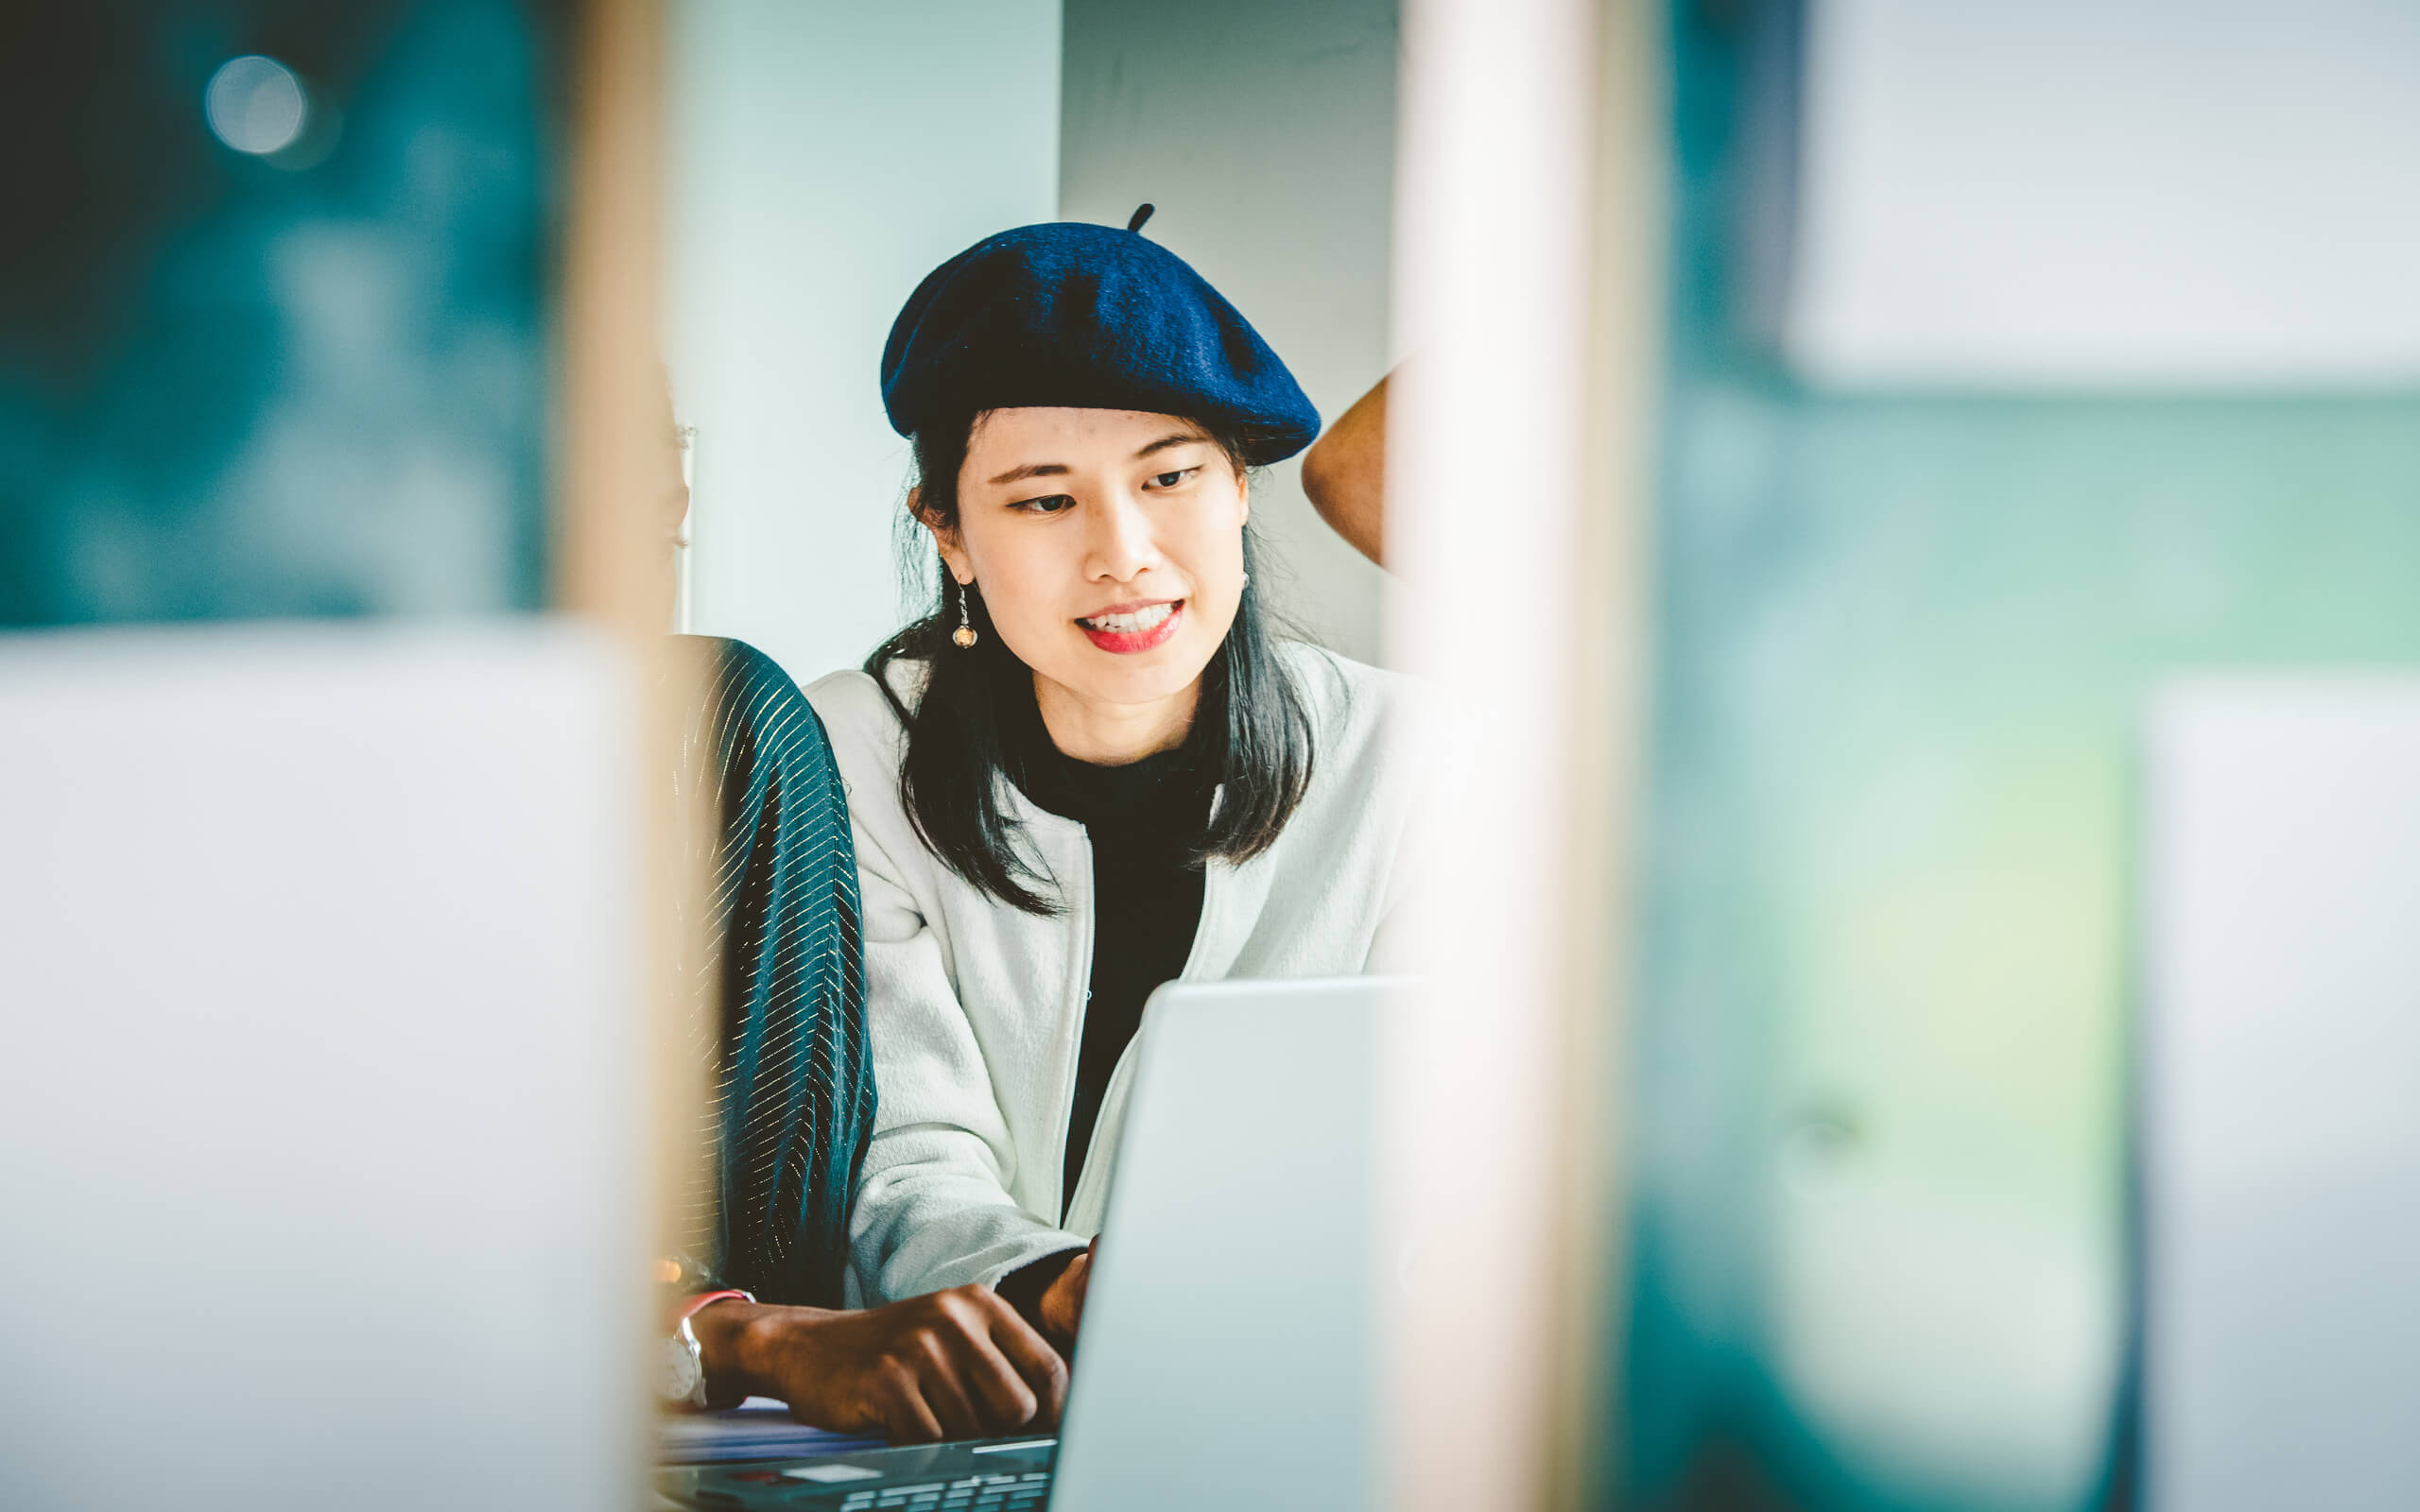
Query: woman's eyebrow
[[1031, 470], [1059, 469], [1167, 441]]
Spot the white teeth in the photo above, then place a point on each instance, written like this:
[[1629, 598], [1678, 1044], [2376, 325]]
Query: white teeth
[[1142, 619]]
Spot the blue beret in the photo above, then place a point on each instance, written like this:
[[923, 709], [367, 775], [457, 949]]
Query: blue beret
[[1091, 317]]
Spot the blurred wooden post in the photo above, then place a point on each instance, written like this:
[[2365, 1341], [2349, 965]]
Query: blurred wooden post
[[613, 561], [1527, 238], [1615, 617]]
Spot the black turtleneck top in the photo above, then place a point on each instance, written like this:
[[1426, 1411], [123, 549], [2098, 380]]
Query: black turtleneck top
[[1144, 820]]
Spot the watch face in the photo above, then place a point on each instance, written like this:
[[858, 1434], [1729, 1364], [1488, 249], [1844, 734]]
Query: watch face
[[677, 1370]]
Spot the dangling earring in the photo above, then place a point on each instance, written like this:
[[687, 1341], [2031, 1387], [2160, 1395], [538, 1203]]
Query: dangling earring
[[964, 635]]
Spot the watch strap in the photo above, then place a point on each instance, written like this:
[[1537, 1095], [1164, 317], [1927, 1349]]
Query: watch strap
[[699, 1303], [688, 1336]]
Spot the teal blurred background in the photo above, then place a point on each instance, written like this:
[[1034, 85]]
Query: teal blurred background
[[303, 382], [1901, 644]]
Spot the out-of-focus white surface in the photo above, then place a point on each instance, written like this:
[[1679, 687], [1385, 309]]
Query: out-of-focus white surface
[[821, 158], [2108, 193], [1496, 502], [1228, 1355], [322, 1130], [2281, 1096]]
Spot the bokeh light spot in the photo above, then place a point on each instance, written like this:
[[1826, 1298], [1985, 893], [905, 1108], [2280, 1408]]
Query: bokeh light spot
[[256, 105]]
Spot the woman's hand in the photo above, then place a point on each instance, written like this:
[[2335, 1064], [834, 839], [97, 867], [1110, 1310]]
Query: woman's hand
[[959, 1364], [1062, 1306]]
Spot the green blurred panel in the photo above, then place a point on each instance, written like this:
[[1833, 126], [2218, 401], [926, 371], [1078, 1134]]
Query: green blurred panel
[[1903, 644]]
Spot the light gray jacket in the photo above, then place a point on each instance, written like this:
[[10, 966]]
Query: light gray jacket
[[977, 1008]]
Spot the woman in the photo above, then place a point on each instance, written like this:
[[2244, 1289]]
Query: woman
[[1091, 768]]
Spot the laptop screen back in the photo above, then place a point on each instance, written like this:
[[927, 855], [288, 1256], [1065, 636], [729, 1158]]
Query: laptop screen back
[[1230, 1325]]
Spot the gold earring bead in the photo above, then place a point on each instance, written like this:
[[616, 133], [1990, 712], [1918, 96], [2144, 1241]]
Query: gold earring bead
[[964, 635]]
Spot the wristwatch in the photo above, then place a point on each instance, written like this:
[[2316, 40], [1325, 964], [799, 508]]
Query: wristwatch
[[681, 1369]]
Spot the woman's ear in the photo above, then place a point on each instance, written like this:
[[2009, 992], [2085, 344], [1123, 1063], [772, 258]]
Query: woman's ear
[[953, 550]]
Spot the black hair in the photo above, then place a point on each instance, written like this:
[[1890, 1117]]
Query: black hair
[[1251, 727]]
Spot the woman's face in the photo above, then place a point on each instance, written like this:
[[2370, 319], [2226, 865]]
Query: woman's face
[[1108, 545]]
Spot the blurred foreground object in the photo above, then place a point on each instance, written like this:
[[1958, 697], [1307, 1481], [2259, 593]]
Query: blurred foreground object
[[2280, 1131], [325, 950], [321, 1080], [1904, 642], [2125, 193], [1518, 449]]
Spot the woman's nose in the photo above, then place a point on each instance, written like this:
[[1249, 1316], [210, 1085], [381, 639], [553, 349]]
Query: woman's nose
[[1122, 544]]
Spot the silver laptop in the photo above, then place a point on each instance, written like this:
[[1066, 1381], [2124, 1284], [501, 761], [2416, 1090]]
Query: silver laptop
[[1227, 1357], [2280, 1115]]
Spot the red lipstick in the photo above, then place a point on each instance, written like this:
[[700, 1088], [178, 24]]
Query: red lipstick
[[1126, 629]]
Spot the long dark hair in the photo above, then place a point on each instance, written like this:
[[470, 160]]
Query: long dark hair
[[1251, 725]]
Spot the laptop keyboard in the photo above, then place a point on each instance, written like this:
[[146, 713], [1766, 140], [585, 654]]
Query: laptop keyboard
[[972, 1493]]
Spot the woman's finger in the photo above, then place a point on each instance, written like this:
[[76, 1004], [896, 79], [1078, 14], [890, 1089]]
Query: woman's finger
[[1063, 1304], [907, 1415], [1007, 1401], [1083, 1280], [936, 1375], [1030, 1356]]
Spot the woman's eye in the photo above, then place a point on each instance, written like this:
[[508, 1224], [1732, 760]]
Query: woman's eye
[[1169, 480], [1051, 504]]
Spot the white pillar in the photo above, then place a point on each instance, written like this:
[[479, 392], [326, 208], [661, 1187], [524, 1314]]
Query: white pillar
[[1517, 470]]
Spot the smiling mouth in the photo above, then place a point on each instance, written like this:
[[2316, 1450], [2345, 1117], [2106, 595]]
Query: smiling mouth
[[1134, 622], [1135, 630]]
